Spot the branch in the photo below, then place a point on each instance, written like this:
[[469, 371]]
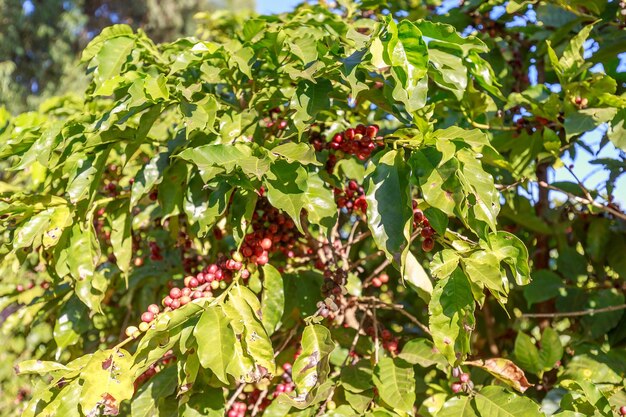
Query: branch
[[583, 200], [396, 307], [587, 312], [233, 397]]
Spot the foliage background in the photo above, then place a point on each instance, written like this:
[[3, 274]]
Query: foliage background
[[576, 247]]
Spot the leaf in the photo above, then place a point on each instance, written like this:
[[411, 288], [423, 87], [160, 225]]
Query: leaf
[[417, 278], [272, 299], [107, 381], [422, 352], [551, 350], [215, 341], [510, 249], [544, 285], [527, 354], [311, 367], [286, 188], [451, 312], [395, 381], [206, 402], [255, 340], [310, 99], [357, 377], [483, 267], [320, 204], [72, 321], [297, 152], [35, 366], [494, 401], [111, 57], [504, 370], [458, 407], [227, 157], [121, 238], [32, 229], [107, 33], [204, 208], [150, 175], [446, 35], [389, 223], [146, 399], [437, 219], [444, 263]]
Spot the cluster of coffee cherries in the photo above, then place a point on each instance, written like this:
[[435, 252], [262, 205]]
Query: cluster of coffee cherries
[[380, 280], [239, 408], [389, 341], [154, 369], [360, 141], [421, 223], [463, 384], [272, 231], [622, 410], [275, 121], [352, 198]]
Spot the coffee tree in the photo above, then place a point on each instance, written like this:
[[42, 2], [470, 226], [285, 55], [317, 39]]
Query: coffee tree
[[341, 211]]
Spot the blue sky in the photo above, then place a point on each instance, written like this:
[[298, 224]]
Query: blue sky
[[275, 6]]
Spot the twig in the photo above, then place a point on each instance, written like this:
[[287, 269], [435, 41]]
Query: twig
[[286, 341], [378, 270], [257, 404], [375, 335], [355, 340], [399, 308], [489, 127], [493, 347], [587, 312], [233, 397], [583, 200]]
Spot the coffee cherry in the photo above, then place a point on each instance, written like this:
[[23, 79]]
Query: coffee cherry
[[622, 410], [384, 278], [266, 243], [175, 304], [132, 331], [144, 327], [464, 377], [428, 244], [376, 282], [456, 387], [427, 232], [175, 293], [147, 317], [167, 301]]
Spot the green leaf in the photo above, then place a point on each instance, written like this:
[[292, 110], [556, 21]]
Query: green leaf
[[73, 320], [150, 175], [510, 249], [107, 33], [146, 399], [417, 278], [204, 208], [482, 267], [390, 223], [357, 377], [206, 402], [215, 341], [494, 401], [297, 152], [111, 57], [121, 239], [544, 285], [311, 367], [444, 263], [255, 340], [438, 219], [451, 311], [527, 354], [107, 381], [286, 188], [447, 36], [458, 407], [422, 352], [320, 204], [272, 299], [395, 380], [35, 366], [551, 349]]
